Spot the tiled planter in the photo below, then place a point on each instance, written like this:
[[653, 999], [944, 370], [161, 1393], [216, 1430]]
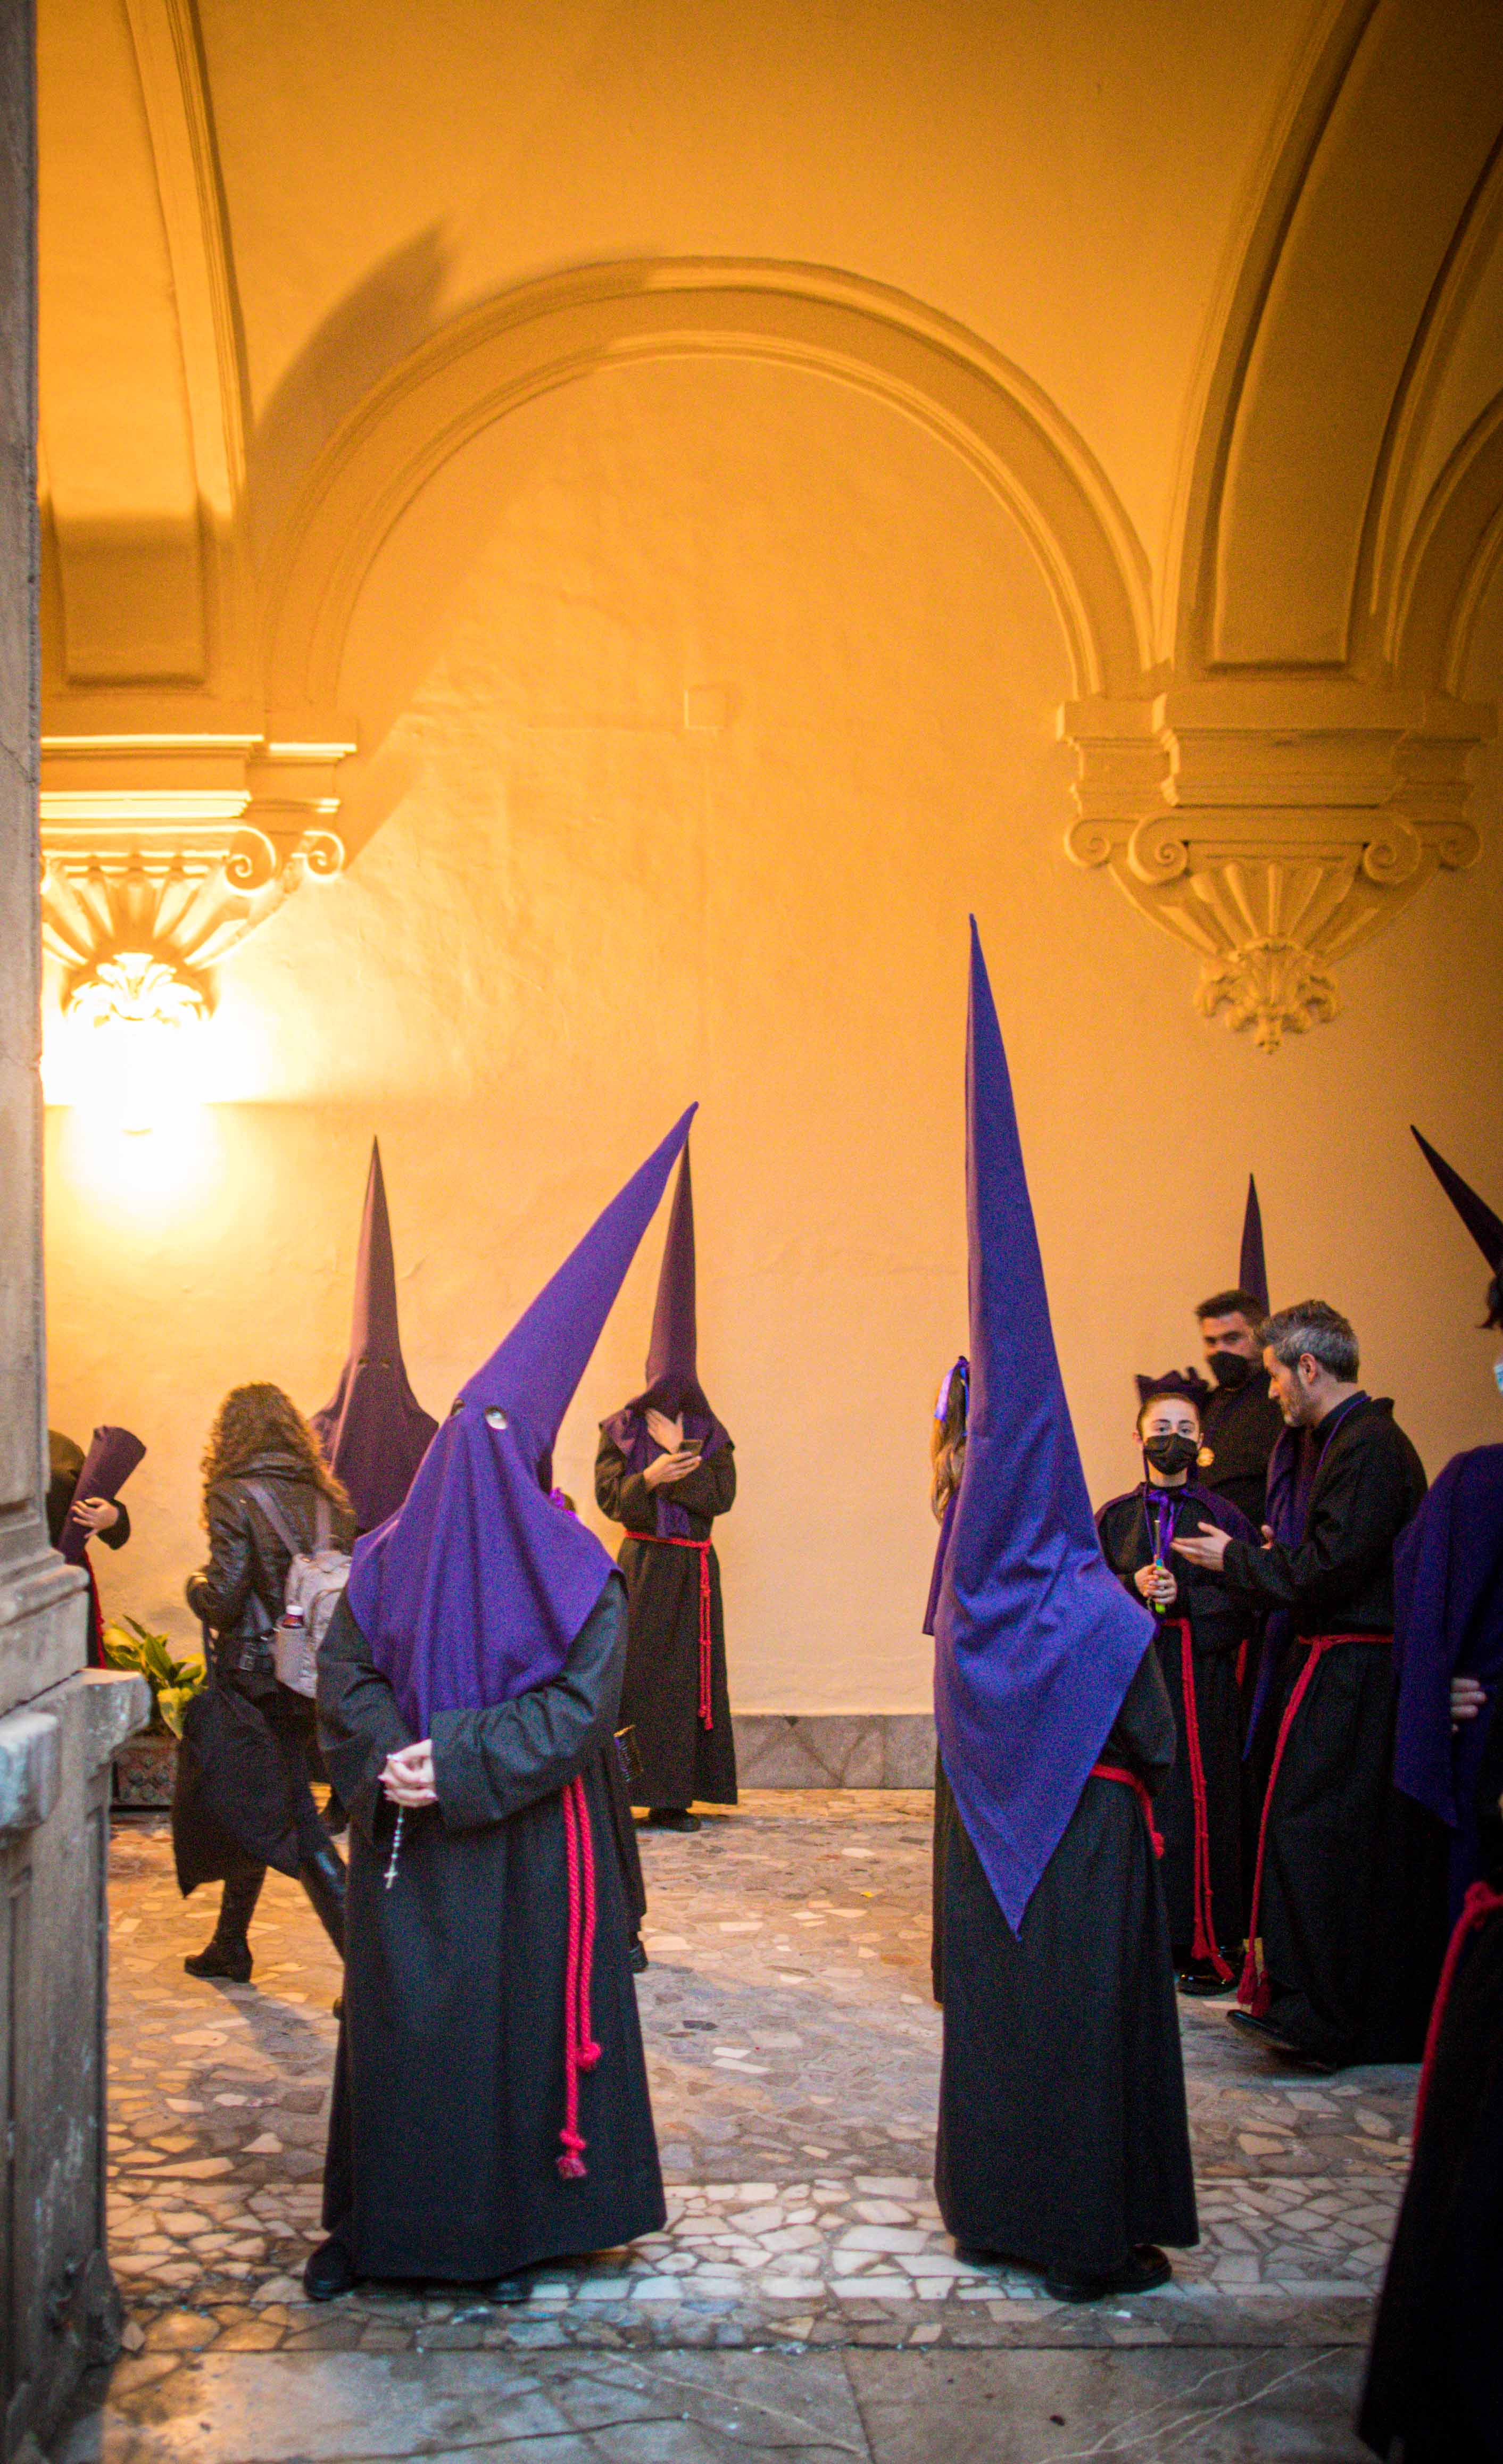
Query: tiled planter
[[144, 1769]]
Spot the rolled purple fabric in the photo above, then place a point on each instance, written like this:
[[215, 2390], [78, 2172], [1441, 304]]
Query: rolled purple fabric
[[112, 1457]]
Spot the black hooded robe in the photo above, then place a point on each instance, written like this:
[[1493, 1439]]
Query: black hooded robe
[[1219, 1631], [681, 1759], [1063, 2134], [1346, 1957], [448, 2084], [1242, 1425], [1433, 2375]]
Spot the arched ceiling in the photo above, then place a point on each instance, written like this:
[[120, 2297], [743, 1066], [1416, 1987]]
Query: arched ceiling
[[1222, 288]]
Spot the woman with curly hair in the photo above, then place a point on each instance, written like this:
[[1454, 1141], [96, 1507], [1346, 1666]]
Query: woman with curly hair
[[266, 1487]]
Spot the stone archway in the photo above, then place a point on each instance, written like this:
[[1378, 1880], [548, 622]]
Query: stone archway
[[551, 333]]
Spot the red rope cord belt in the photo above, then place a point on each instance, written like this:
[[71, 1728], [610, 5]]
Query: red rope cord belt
[[668, 1540], [581, 2053], [1130, 1779], [1480, 1903], [1253, 1991], [1204, 1944]]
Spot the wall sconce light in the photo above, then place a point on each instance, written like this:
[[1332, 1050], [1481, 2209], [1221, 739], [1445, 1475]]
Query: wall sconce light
[[137, 1049]]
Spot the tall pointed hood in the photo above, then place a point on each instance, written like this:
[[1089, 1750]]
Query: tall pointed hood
[[1484, 1226], [1037, 1643], [672, 1355], [375, 1432], [1252, 1274], [475, 1590], [672, 1366]]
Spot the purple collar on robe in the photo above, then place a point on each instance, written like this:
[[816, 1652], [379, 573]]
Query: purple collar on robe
[[475, 1588], [375, 1432], [1036, 1640], [628, 1432], [1447, 1567], [1161, 1507], [1292, 1465]]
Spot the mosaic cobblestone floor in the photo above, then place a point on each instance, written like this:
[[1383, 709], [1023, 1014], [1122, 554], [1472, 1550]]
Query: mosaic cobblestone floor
[[793, 2051]]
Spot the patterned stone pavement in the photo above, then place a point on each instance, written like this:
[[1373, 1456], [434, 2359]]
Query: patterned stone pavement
[[793, 2049]]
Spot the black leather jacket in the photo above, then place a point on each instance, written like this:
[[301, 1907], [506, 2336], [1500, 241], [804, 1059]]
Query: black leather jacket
[[239, 1592]]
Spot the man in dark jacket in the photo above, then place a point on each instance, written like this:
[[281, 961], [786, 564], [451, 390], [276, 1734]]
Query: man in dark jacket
[[1239, 1419], [1321, 1966]]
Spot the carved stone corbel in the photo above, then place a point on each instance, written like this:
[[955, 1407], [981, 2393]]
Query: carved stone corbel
[[158, 862], [1273, 829]]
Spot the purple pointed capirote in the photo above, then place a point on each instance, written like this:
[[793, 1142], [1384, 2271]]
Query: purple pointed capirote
[[1485, 1227], [673, 1354], [375, 1432], [1036, 1643], [1252, 1274], [673, 1366], [473, 1593]]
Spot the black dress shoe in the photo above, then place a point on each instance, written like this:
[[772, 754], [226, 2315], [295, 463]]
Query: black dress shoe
[[329, 2272], [507, 2289], [673, 1817], [1142, 2271], [231, 1960], [636, 1956], [1252, 2025], [1196, 1981]]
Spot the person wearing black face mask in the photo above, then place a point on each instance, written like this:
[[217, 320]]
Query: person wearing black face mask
[[1242, 1421], [1202, 1640]]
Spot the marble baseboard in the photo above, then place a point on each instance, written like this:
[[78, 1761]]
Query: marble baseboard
[[834, 1749]]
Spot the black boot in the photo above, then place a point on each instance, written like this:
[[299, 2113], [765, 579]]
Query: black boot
[[227, 1953], [329, 2271], [673, 1817], [322, 1875]]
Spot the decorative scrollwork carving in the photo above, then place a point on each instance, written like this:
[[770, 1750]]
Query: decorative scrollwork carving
[[1157, 850], [1276, 835], [169, 896]]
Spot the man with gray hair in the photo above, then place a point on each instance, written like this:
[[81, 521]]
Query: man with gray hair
[[1320, 1978]]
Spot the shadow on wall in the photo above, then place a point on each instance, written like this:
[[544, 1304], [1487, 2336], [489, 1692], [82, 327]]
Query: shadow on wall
[[369, 331]]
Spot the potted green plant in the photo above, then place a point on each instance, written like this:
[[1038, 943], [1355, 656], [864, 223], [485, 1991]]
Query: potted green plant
[[145, 1763]]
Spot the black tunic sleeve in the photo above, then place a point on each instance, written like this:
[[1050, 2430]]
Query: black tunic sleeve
[[359, 1721], [708, 1491], [488, 1765], [118, 1531], [624, 1495], [1360, 1507], [1144, 1732]]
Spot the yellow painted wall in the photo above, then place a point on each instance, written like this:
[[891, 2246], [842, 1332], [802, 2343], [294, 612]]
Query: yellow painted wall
[[576, 913]]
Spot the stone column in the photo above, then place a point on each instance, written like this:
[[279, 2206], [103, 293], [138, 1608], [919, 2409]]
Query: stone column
[[58, 1723]]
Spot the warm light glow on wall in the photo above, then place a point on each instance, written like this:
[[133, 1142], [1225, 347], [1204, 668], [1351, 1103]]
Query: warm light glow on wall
[[130, 1047]]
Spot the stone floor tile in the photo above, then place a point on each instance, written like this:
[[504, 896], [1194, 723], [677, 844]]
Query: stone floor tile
[[1149, 2404], [794, 2090]]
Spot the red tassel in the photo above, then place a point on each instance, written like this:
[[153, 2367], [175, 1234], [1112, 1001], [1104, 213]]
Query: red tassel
[[1204, 1945], [581, 2053]]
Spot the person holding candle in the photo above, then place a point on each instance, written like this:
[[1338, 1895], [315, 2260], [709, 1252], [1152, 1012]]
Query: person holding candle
[[1202, 1638]]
